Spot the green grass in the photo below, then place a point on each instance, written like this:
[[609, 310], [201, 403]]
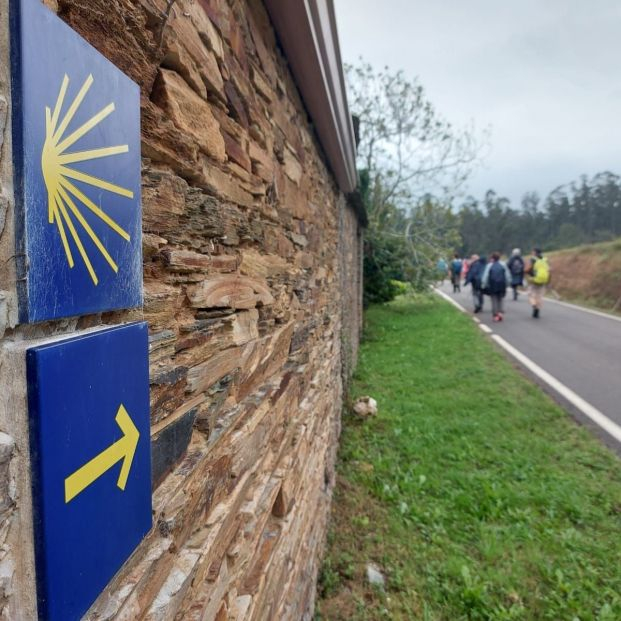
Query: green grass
[[606, 248], [598, 304], [476, 494]]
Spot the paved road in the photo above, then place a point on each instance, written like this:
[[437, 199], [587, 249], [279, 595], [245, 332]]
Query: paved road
[[580, 349]]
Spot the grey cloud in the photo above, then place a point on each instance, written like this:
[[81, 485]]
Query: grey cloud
[[545, 75]]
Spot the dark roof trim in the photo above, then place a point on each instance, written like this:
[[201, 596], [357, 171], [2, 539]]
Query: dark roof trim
[[308, 35], [355, 201]]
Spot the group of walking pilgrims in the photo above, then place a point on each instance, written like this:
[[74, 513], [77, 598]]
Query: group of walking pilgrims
[[495, 277]]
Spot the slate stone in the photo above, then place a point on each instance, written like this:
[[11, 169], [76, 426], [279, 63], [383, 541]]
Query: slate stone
[[169, 446]]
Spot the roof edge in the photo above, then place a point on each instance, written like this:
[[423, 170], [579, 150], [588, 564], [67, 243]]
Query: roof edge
[[308, 35]]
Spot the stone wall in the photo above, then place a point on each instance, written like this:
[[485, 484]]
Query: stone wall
[[351, 251], [252, 279]]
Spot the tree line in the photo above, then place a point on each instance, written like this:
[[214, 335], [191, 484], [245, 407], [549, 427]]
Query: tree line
[[584, 211]]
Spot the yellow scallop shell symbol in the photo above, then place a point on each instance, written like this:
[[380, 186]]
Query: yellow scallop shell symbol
[[65, 201]]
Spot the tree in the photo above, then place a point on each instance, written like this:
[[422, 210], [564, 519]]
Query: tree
[[412, 164], [585, 211]]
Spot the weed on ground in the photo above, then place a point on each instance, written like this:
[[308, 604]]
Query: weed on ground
[[474, 493]]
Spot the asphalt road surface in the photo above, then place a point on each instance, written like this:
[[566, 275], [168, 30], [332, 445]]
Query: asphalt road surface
[[580, 349]]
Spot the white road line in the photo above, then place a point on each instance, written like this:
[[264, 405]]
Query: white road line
[[600, 419], [457, 305], [578, 402], [448, 298], [585, 310]]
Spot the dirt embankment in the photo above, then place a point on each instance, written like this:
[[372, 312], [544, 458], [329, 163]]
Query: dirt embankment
[[590, 274]]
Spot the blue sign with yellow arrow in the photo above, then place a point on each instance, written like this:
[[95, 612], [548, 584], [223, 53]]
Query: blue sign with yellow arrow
[[76, 150], [91, 467]]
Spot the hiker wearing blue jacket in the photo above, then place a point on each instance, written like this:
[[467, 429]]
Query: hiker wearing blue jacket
[[442, 270], [496, 279], [474, 279], [455, 271]]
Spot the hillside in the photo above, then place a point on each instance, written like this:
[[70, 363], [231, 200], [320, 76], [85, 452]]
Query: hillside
[[590, 274]]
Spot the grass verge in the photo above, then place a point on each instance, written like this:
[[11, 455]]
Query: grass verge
[[477, 496]]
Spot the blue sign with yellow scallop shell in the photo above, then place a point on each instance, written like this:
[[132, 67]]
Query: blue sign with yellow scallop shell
[[76, 152]]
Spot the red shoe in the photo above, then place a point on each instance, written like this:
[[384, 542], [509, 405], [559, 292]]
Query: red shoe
[[500, 316], [497, 318]]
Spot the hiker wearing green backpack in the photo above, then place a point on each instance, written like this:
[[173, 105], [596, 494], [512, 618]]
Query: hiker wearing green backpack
[[539, 276]]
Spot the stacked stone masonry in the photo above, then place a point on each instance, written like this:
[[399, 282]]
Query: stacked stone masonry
[[252, 281]]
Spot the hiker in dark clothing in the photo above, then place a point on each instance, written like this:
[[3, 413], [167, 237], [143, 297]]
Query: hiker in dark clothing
[[455, 270], [516, 267], [474, 278], [496, 278]]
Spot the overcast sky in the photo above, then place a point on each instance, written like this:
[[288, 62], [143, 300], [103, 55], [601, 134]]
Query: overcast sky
[[544, 75]]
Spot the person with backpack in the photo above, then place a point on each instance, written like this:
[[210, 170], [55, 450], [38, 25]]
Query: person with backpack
[[474, 278], [455, 270], [441, 270], [539, 276], [496, 279], [516, 267]]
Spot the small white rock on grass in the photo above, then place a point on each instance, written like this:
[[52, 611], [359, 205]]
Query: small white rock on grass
[[365, 406], [374, 576]]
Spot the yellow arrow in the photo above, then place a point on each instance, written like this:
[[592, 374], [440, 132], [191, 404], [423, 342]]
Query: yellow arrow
[[122, 449]]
